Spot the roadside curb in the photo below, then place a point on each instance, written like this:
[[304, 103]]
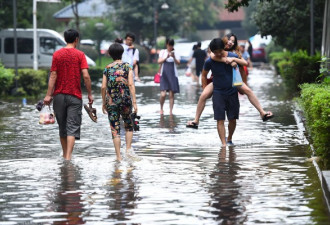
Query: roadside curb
[[324, 176]]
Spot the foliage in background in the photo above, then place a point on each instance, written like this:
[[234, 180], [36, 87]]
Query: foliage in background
[[296, 68], [90, 51], [6, 79], [324, 70], [288, 22], [248, 23], [315, 100], [24, 14], [45, 13], [90, 30], [233, 5], [31, 82], [180, 16]]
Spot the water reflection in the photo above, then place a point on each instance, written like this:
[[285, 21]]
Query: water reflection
[[68, 197], [170, 122], [224, 189], [123, 192]]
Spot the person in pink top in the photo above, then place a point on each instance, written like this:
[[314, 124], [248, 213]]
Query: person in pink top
[[64, 88]]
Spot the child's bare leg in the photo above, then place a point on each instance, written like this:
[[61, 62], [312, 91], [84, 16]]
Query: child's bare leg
[[231, 129], [222, 131], [206, 94], [253, 99]]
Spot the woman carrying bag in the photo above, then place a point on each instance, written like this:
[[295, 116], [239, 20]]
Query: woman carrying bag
[[169, 75]]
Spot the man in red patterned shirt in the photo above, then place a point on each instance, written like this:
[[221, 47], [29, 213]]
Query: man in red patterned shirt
[[64, 88]]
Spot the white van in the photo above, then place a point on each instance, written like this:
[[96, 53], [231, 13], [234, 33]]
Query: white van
[[48, 42]]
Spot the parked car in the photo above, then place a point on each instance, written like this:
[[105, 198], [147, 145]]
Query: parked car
[[259, 54], [48, 42]]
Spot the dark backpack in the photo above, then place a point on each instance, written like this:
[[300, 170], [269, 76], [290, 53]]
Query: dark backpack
[[137, 62]]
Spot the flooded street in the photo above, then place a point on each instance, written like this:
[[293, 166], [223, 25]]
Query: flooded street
[[183, 178]]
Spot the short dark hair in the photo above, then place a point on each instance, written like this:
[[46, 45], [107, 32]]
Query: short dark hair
[[116, 51], [119, 40], [71, 35], [170, 42], [199, 44], [216, 44], [131, 35]]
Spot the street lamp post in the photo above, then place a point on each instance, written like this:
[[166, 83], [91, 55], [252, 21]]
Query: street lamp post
[[99, 27], [164, 6]]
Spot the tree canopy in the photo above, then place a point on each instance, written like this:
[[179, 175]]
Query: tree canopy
[[137, 16], [288, 21]]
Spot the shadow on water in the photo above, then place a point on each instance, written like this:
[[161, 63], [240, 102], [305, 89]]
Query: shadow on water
[[183, 178]]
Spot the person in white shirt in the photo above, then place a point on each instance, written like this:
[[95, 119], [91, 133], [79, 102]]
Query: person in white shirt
[[133, 54]]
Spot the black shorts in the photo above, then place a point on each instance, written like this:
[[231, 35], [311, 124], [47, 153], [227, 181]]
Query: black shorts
[[223, 104], [67, 110]]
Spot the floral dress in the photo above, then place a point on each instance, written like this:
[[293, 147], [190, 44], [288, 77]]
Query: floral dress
[[118, 97]]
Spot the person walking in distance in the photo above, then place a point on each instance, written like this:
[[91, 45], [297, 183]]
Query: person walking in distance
[[169, 81], [133, 54], [118, 98], [65, 90], [200, 56]]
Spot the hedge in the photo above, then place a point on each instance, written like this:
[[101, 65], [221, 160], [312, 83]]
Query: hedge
[[315, 101], [296, 68]]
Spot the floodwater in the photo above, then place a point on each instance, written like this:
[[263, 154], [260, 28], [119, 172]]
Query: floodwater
[[183, 178]]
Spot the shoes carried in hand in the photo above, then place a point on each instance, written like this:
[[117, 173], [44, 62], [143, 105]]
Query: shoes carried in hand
[[91, 112]]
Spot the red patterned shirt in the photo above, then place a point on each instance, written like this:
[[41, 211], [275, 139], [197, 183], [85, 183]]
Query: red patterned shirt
[[68, 63]]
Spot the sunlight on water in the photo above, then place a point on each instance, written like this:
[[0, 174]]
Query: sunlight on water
[[183, 178]]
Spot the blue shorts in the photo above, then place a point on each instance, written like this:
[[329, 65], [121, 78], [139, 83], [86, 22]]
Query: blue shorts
[[223, 104]]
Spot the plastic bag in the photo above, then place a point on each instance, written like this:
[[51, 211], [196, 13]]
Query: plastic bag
[[46, 116], [237, 78], [157, 78], [188, 71]]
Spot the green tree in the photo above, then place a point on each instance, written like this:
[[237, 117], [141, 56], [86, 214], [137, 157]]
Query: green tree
[[233, 5], [138, 15], [24, 14], [248, 23], [74, 7], [288, 22]]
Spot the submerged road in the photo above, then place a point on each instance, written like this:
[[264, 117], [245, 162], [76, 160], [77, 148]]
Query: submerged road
[[183, 178]]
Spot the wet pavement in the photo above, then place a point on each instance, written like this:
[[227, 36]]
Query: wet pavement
[[183, 178]]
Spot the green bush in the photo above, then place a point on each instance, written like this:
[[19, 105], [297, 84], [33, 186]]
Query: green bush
[[90, 51], [297, 68], [143, 54], [315, 100], [276, 57], [32, 82], [95, 74], [6, 79]]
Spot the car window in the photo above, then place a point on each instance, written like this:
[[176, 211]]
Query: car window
[[24, 45], [49, 45]]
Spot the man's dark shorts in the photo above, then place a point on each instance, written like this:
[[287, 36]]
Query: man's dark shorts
[[223, 104], [67, 110]]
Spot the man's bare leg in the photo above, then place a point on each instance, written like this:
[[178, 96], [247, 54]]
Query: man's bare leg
[[67, 146], [231, 129], [222, 132]]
